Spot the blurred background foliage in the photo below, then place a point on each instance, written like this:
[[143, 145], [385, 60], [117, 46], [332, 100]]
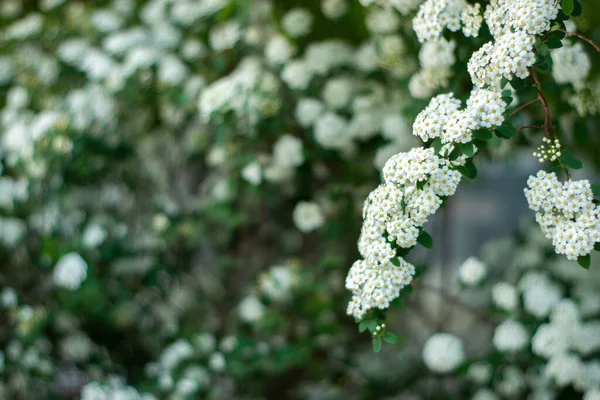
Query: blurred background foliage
[[199, 284]]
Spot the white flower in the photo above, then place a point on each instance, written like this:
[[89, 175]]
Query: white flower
[[308, 216], [540, 294], [287, 152], [296, 74], [277, 282], [593, 394], [505, 296], [334, 9], [308, 111], [443, 353], [278, 50], [564, 369], [174, 354], [252, 173], [297, 22], [70, 271], [217, 362], [94, 235], [480, 372], [510, 336], [511, 383], [8, 298], [331, 131], [571, 64], [225, 36], [251, 309], [472, 271], [338, 92], [485, 394]]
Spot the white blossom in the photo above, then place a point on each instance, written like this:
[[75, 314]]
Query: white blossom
[[443, 353]]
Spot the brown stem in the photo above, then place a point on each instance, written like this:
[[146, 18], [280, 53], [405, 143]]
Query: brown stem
[[580, 36], [524, 106], [547, 122], [530, 127]]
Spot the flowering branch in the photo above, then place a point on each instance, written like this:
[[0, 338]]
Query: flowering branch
[[524, 106], [580, 36]]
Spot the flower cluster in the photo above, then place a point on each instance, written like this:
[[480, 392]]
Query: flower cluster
[[414, 184], [509, 56], [443, 353], [404, 7], [444, 119], [250, 92], [566, 213], [436, 59], [433, 16], [551, 153], [571, 64], [115, 388], [531, 16]]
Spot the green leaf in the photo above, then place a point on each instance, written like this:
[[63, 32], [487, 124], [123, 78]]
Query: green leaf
[[364, 324], [396, 303], [377, 344], [597, 246], [519, 84], [425, 240], [554, 41], [507, 129], [584, 261], [437, 145], [395, 261], [408, 289], [577, 9], [468, 170], [418, 272], [507, 96], [482, 134], [596, 189], [568, 6], [569, 160], [467, 149], [390, 337]]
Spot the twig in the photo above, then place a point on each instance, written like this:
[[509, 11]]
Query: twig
[[538, 85], [580, 36], [530, 127], [524, 106]]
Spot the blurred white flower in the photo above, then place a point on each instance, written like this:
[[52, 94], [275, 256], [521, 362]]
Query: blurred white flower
[[297, 22], [8, 298], [443, 353], [70, 271], [217, 362], [334, 9], [251, 309], [485, 394], [472, 272], [93, 235], [308, 111], [510, 336], [252, 173], [308, 216], [505, 296], [225, 36]]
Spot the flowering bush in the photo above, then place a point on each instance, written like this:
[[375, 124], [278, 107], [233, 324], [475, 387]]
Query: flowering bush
[[197, 196]]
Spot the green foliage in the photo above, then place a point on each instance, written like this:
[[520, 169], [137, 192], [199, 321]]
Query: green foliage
[[569, 160]]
